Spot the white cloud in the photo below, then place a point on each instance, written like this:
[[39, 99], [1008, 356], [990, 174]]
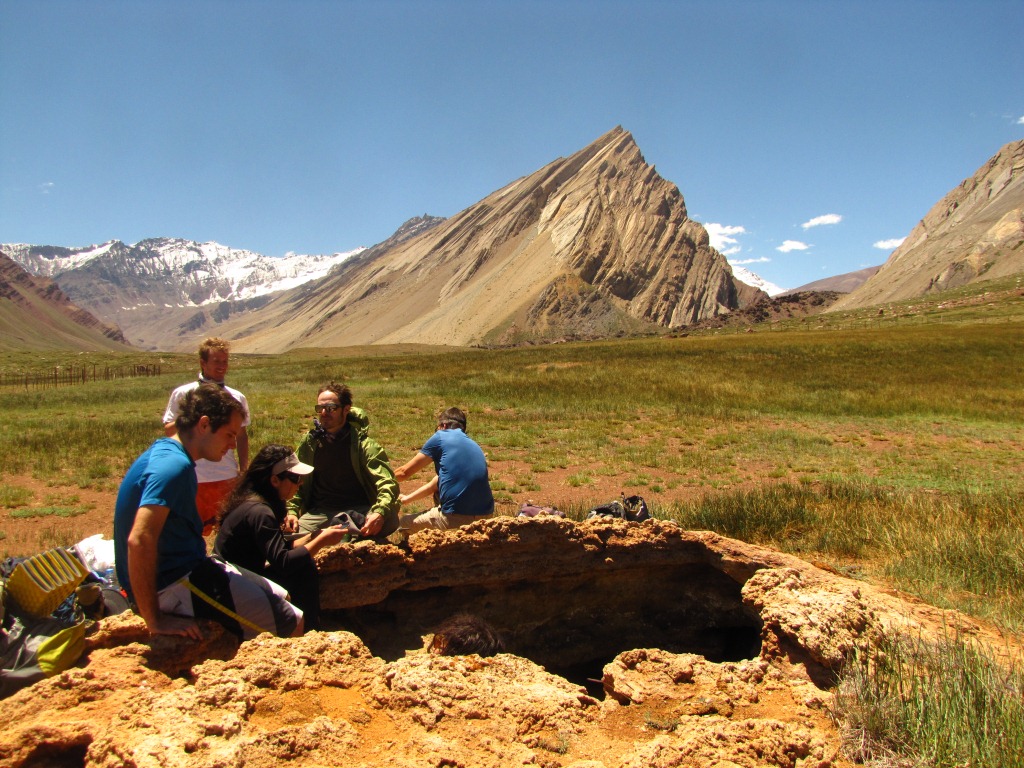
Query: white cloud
[[817, 221], [792, 245], [888, 245], [722, 237], [1020, 120], [761, 260], [46, 187]]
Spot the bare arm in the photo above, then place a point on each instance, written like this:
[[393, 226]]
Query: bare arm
[[242, 446], [142, 569], [412, 466], [170, 430], [427, 489], [314, 542]]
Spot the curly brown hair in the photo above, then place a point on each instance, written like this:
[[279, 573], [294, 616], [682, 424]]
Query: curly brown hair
[[341, 390], [211, 344]]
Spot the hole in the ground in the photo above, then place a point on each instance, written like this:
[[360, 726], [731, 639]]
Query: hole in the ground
[[69, 754], [574, 625]]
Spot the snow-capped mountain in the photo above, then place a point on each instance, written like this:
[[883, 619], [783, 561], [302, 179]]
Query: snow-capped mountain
[[744, 275], [162, 289], [183, 273]]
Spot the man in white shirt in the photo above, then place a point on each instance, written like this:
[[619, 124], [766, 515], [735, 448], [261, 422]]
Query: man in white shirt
[[216, 478]]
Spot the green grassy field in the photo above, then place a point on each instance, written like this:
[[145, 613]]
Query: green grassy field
[[889, 446], [893, 452]]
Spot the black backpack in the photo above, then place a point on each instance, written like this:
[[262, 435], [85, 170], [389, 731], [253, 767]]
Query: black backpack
[[631, 508]]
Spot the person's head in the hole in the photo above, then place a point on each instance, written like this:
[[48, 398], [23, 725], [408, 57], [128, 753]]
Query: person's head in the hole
[[464, 634]]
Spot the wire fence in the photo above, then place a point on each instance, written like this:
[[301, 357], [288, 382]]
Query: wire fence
[[65, 376]]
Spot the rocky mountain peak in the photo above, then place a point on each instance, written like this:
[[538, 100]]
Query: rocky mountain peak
[[590, 245]]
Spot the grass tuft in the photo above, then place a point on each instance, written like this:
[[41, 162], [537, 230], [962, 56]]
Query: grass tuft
[[911, 702], [50, 511], [962, 550]]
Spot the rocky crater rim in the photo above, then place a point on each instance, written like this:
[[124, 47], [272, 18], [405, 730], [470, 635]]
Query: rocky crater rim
[[568, 596], [629, 644]]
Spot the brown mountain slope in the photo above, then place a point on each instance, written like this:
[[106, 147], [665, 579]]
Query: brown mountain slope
[[590, 245], [976, 232], [35, 314], [844, 283]]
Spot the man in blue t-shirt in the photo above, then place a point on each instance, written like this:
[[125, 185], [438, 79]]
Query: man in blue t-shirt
[[159, 550], [461, 487]]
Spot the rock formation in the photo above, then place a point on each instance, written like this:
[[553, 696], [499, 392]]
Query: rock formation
[[588, 246], [976, 232], [630, 644]]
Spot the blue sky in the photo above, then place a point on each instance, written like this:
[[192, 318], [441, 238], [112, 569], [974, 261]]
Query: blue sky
[[809, 137]]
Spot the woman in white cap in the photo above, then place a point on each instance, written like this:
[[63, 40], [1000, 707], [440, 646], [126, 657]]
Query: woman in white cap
[[250, 533]]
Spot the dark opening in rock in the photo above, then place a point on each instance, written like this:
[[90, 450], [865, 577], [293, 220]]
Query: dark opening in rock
[[574, 624], [60, 754]]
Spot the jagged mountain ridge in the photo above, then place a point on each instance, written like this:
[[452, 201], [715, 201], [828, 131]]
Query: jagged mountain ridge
[[587, 246], [976, 232], [140, 286], [36, 314]]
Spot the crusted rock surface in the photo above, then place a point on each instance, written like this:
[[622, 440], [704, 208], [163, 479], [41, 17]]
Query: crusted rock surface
[[696, 697]]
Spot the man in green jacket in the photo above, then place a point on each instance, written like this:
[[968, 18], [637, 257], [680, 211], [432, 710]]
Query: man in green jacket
[[351, 473]]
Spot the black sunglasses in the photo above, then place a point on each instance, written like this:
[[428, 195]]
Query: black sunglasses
[[290, 476], [329, 407]]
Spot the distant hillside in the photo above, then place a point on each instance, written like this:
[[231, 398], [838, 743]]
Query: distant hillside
[[590, 246], [786, 306], [976, 232], [36, 315], [839, 283]]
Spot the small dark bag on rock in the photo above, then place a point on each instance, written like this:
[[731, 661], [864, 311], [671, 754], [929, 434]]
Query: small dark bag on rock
[[631, 508]]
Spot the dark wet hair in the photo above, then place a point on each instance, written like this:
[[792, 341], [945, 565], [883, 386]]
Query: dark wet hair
[[463, 634], [207, 400], [256, 481]]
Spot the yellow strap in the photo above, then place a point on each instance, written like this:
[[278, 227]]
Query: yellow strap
[[222, 608]]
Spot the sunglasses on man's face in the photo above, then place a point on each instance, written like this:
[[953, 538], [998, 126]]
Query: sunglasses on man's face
[[290, 476], [329, 407]]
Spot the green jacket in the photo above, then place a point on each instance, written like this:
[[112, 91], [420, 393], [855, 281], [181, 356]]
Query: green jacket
[[369, 461]]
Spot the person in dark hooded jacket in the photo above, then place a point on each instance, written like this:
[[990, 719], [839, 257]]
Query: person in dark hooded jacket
[[250, 534]]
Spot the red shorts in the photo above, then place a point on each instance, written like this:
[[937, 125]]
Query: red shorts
[[209, 497]]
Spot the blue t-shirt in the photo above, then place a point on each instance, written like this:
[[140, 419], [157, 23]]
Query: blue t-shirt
[[461, 472], [163, 476]]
